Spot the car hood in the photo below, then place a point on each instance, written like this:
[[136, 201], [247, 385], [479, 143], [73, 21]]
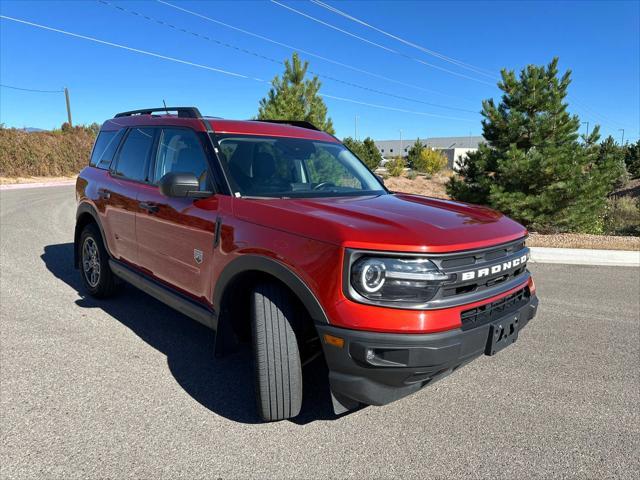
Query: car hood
[[396, 222]]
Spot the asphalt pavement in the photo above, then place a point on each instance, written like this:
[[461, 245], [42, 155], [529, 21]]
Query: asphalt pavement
[[128, 388]]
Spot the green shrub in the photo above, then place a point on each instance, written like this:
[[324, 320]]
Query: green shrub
[[395, 166], [430, 161], [411, 175], [622, 216]]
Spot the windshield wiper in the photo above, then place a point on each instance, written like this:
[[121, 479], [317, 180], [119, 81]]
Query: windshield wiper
[[259, 197]]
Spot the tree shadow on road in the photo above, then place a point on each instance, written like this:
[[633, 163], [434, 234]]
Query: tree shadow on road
[[223, 385]]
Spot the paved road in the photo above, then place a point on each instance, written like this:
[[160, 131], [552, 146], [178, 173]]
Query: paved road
[[129, 389]]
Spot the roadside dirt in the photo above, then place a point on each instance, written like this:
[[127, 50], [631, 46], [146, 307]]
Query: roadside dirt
[[432, 187], [583, 240], [12, 180]]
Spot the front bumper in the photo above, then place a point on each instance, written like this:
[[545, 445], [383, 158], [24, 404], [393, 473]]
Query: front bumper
[[377, 368]]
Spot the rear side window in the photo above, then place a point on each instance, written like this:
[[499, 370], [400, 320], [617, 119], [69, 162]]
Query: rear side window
[[179, 150], [134, 154], [105, 148]]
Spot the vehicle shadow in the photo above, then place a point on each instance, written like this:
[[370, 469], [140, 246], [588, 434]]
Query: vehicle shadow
[[223, 385]]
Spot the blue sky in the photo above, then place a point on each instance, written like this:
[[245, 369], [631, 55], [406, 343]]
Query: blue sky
[[598, 41]]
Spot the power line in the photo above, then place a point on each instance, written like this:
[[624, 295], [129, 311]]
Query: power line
[[441, 56], [591, 111], [279, 62], [131, 49], [307, 52], [213, 69], [385, 107], [380, 46], [30, 89]]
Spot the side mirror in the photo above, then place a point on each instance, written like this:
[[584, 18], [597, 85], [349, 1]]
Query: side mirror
[[181, 184], [381, 178]]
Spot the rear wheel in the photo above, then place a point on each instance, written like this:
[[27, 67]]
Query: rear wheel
[[278, 372], [94, 264]]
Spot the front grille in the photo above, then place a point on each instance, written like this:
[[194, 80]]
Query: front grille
[[481, 256], [458, 264], [484, 314]]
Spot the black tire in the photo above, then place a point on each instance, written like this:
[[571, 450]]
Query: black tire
[[278, 372], [102, 284]]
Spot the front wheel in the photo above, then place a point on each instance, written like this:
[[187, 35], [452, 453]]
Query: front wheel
[[94, 264], [278, 372]]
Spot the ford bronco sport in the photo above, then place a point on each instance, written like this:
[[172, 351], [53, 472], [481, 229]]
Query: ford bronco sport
[[274, 233]]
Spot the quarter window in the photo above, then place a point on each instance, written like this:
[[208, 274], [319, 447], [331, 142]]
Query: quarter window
[[105, 148], [134, 154], [179, 150]]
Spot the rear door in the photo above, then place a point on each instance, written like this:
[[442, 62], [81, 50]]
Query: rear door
[[129, 171], [176, 235]]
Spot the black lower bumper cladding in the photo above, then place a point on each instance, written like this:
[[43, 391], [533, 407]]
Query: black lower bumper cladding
[[378, 368]]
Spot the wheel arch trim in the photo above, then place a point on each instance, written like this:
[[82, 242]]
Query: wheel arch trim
[[249, 262], [86, 208]]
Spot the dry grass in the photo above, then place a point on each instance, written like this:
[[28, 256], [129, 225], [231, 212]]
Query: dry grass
[[421, 185], [44, 154]]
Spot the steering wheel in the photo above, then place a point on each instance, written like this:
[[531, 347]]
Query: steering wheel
[[321, 185]]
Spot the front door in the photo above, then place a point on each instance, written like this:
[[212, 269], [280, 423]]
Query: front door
[[176, 235]]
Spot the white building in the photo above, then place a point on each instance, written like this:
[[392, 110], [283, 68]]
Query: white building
[[452, 147]]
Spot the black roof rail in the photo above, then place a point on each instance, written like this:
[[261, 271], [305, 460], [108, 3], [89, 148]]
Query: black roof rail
[[183, 112], [294, 123]]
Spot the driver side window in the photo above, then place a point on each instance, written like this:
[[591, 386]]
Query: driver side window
[[179, 150]]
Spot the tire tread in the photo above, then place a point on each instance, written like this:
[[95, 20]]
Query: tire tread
[[277, 359]]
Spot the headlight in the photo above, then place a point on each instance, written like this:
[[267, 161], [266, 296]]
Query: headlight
[[396, 280]]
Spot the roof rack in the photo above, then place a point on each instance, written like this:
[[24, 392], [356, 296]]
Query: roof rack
[[183, 112], [294, 123]]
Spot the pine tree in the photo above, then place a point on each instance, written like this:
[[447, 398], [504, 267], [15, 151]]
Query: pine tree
[[294, 98], [373, 156], [413, 156], [533, 166], [365, 151], [632, 159]]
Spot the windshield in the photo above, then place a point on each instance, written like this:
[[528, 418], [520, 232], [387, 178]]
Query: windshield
[[292, 167]]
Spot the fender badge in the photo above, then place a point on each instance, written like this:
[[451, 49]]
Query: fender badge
[[197, 256]]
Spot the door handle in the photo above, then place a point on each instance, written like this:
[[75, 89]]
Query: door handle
[[149, 207], [104, 194]]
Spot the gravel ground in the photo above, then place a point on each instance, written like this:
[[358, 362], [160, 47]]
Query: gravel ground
[[128, 388], [583, 240], [430, 187]]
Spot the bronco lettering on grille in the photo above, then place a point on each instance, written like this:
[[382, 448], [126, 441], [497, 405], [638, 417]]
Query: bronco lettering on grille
[[501, 267]]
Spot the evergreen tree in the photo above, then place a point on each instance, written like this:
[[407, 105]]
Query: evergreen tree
[[294, 98], [533, 167], [413, 155], [611, 160], [365, 151], [632, 159], [373, 156]]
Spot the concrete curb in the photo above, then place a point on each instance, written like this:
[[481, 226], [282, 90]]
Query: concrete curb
[[583, 256], [21, 186]]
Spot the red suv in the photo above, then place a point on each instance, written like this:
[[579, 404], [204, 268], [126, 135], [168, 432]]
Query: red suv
[[275, 233]]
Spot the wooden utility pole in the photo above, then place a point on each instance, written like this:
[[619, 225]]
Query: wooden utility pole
[[66, 96]]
